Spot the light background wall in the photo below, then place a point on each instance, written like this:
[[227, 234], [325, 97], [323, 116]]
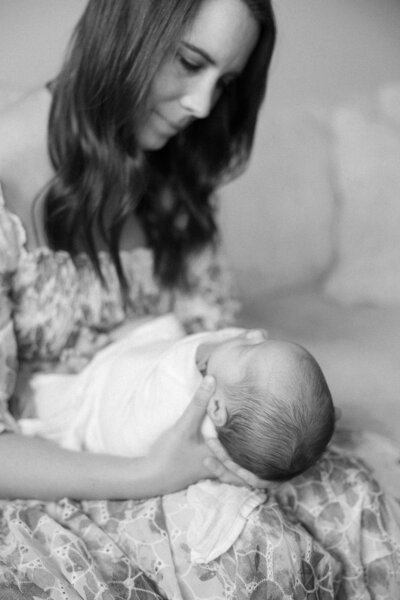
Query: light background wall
[[329, 49], [326, 50]]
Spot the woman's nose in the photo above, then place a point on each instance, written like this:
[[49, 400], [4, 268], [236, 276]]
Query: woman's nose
[[199, 99]]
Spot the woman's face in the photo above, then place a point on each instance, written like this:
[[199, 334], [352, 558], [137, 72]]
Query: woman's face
[[213, 51]]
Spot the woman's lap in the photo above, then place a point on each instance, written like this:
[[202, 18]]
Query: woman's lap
[[328, 528], [343, 507]]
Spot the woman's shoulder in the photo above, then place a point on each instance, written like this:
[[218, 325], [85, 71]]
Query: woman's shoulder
[[12, 238], [22, 107]]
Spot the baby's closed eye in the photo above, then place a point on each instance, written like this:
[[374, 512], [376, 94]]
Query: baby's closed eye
[[202, 367]]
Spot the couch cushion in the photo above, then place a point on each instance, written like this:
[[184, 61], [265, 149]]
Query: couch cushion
[[367, 166], [276, 219]]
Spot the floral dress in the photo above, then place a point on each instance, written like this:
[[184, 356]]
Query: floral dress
[[328, 533]]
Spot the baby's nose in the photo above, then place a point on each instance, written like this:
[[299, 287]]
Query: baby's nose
[[257, 335]]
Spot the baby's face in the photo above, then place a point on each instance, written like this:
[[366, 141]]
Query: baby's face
[[229, 361]]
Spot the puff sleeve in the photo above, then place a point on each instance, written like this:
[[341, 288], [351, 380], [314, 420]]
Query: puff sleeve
[[11, 243], [210, 300]]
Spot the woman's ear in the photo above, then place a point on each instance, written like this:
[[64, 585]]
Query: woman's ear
[[217, 411]]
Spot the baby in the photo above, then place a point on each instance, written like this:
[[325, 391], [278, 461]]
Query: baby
[[272, 409]]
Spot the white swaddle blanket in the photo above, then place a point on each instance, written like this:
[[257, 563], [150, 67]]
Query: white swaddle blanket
[[130, 393]]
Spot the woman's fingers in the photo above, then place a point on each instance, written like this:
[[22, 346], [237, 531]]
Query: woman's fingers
[[184, 445], [180, 452], [224, 468], [194, 414], [217, 470]]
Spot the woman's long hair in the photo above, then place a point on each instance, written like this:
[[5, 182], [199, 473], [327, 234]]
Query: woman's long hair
[[102, 176]]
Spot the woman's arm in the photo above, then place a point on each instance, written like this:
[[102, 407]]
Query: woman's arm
[[36, 468]]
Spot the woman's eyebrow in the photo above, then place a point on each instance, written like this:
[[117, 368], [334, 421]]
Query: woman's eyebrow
[[200, 51]]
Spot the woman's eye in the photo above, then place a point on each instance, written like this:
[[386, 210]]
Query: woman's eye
[[189, 65]]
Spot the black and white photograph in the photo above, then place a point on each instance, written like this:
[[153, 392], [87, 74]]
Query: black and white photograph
[[199, 299]]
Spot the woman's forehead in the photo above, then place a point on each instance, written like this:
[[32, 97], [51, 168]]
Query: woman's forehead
[[226, 30]]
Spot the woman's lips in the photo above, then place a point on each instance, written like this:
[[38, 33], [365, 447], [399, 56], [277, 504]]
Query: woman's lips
[[171, 126], [164, 124]]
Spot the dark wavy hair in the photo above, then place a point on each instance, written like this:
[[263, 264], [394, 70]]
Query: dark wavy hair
[[102, 177]]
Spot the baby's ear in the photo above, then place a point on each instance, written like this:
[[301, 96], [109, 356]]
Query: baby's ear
[[217, 412]]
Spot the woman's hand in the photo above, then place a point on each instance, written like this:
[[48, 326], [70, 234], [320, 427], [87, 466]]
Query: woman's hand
[[181, 457], [177, 457], [36, 468], [225, 469]]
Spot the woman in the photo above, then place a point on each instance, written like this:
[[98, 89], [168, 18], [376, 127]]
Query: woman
[[117, 175], [108, 177]]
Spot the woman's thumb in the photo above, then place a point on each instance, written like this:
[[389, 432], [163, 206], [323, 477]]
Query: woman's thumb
[[194, 414]]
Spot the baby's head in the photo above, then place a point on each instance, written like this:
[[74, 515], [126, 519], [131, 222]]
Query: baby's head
[[272, 407]]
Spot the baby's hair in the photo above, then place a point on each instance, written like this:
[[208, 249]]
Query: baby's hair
[[270, 434]]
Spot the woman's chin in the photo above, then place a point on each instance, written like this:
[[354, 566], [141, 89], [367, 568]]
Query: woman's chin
[[152, 140]]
